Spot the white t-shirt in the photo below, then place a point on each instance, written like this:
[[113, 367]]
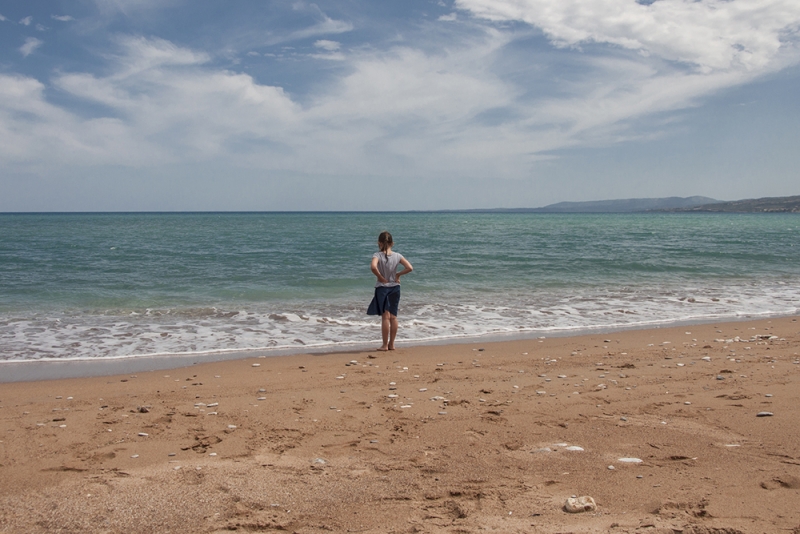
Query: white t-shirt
[[387, 266]]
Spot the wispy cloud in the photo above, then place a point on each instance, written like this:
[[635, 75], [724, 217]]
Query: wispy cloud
[[140, 55], [164, 103], [329, 56], [331, 51], [478, 104], [26, 21], [31, 44], [681, 51], [62, 18], [131, 7], [2, 18], [709, 35], [327, 26], [330, 46]]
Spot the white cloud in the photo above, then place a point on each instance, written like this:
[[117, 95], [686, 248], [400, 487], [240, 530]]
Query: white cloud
[[710, 35], [684, 51], [2, 18], [449, 17], [162, 103], [62, 18], [327, 26], [131, 7], [331, 56], [625, 91], [394, 112], [330, 46], [26, 21], [49, 135], [31, 44], [141, 54], [164, 98]]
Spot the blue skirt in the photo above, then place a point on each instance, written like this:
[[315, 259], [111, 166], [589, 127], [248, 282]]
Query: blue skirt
[[385, 299]]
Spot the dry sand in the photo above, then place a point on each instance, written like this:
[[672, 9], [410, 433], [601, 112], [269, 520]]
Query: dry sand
[[459, 438]]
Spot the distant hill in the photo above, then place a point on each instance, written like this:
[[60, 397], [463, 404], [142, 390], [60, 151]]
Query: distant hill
[[755, 205], [629, 205], [696, 204]]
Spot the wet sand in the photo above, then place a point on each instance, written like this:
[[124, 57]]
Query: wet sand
[[481, 437]]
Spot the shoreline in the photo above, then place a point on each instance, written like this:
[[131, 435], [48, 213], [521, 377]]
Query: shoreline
[[480, 436], [55, 369]]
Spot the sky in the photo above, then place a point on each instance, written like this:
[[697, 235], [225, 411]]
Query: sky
[[198, 105]]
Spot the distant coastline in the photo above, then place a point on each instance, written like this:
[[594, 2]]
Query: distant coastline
[[694, 204], [756, 205], [628, 205]]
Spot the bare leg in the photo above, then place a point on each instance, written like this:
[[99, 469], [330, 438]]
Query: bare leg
[[385, 329], [392, 330]]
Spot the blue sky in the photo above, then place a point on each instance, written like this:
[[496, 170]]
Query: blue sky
[[112, 105]]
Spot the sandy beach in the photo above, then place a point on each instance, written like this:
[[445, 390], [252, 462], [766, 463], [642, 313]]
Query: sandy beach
[[479, 437]]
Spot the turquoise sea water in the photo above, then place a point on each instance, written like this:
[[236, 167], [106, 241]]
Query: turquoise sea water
[[75, 286]]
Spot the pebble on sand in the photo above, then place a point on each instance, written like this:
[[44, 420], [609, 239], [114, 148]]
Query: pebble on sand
[[630, 460], [764, 414], [576, 505]]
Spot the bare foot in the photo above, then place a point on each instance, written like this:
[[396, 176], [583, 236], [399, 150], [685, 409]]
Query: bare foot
[[391, 347], [383, 349]]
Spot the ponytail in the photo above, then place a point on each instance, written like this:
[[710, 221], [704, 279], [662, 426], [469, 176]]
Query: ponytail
[[385, 241]]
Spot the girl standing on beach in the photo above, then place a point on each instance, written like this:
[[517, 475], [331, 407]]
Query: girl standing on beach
[[387, 288]]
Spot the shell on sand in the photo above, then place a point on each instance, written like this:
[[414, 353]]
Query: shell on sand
[[575, 505]]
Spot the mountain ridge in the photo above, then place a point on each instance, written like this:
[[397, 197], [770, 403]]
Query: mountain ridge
[[752, 205], [627, 205]]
